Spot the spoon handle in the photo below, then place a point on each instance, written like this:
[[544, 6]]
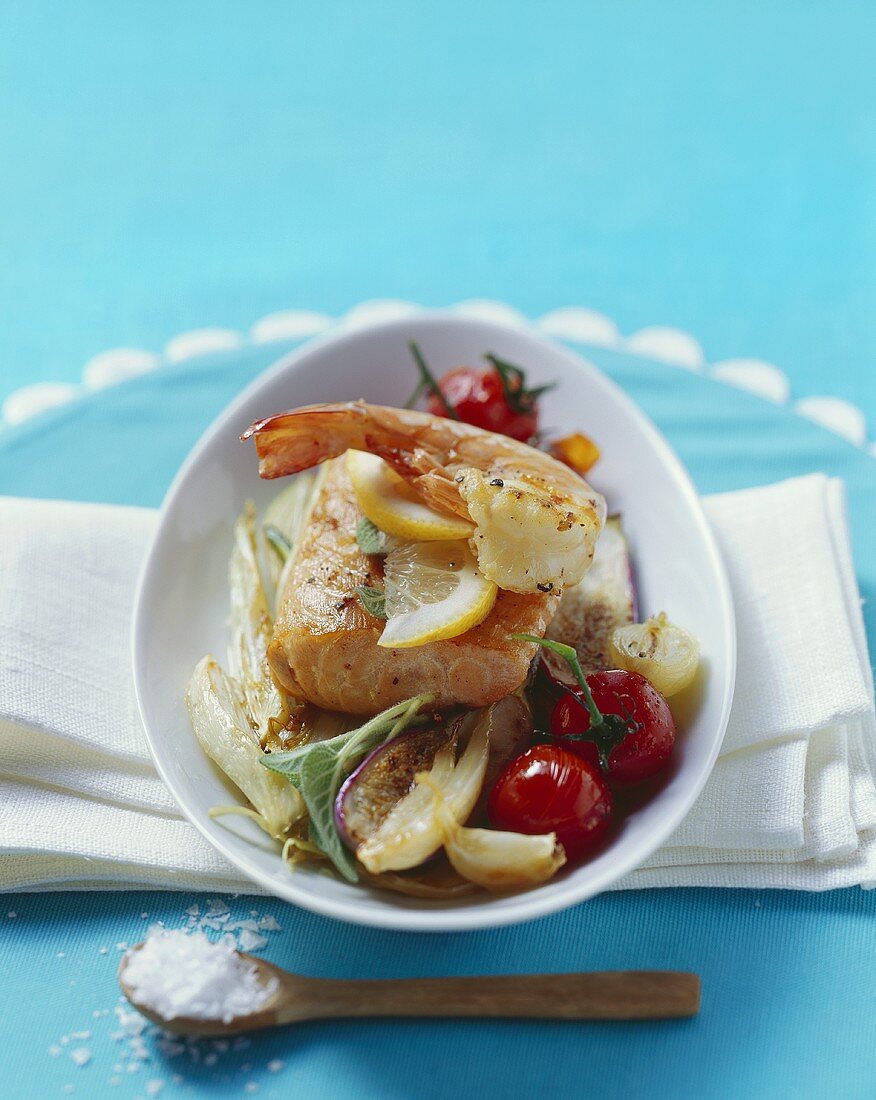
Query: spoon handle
[[610, 995]]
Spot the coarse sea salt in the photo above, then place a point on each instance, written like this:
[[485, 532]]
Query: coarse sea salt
[[185, 974]]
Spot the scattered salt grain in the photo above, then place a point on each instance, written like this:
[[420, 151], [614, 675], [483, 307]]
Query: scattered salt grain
[[251, 1086], [61, 955], [275, 1065], [269, 924], [132, 1022], [102, 950], [252, 941], [170, 1047], [139, 1049], [144, 916], [68, 1088], [115, 1080], [211, 1059], [243, 925], [177, 974], [81, 1035], [11, 915], [55, 1050], [121, 946], [153, 1088], [81, 1056], [193, 911]]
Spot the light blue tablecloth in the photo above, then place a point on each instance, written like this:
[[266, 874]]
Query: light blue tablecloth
[[710, 166], [788, 1004]]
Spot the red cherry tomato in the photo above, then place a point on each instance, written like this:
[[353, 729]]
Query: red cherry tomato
[[478, 397], [645, 750], [548, 789]]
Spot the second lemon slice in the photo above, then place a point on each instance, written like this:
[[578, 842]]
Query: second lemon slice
[[433, 591], [389, 503]]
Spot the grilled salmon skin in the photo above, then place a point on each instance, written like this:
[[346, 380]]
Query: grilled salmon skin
[[324, 647]]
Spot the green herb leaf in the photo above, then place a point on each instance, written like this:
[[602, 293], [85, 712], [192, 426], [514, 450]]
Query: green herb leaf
[[278, 540], [321, 778], [606, 730], [428, 383], [370, 538], [318, 769], [518, 397], [373, 600]]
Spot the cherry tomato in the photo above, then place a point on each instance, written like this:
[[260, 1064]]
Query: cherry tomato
[[645, 750], [477, 395], [548, 789]]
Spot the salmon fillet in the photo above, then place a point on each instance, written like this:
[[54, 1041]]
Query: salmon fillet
[[324, 647]]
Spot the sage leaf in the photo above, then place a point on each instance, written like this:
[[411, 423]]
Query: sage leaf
[[373, 600], [320, 777], [370, 538]]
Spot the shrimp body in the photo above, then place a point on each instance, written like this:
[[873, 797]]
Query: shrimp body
[[536, 521]]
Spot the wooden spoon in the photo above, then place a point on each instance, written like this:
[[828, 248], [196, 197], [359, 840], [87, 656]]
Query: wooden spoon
[[610, 995]]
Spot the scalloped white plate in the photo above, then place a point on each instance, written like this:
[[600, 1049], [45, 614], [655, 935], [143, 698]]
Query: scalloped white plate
[[182, 598]]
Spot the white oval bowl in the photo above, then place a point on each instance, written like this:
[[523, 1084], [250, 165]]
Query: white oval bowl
[[182, 597]]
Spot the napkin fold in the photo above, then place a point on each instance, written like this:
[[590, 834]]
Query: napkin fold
[[791, 801]]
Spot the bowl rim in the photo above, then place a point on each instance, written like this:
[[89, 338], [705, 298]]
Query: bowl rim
[[530, 904]]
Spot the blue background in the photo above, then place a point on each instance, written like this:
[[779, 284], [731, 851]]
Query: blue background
[[170, 166], [710, 166]]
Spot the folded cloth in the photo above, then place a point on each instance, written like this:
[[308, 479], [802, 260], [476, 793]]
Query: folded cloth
[[791, 801]]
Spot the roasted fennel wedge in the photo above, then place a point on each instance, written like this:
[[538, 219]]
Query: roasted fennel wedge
[[250, 625], [285, 518], [236, 715], [223, 728]]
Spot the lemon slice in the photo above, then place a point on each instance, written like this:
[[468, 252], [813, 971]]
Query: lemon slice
[[394, 507], [433, 591]]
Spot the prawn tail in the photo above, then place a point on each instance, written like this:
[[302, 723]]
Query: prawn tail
[[303, 438]]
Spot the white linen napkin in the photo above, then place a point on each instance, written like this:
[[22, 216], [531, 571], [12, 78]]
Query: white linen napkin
[[791, 802]]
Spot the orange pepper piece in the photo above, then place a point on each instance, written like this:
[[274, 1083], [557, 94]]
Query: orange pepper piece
[[577, 451]]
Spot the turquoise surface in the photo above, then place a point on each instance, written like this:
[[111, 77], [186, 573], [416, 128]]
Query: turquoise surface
[[709, 166], [788, 996]]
